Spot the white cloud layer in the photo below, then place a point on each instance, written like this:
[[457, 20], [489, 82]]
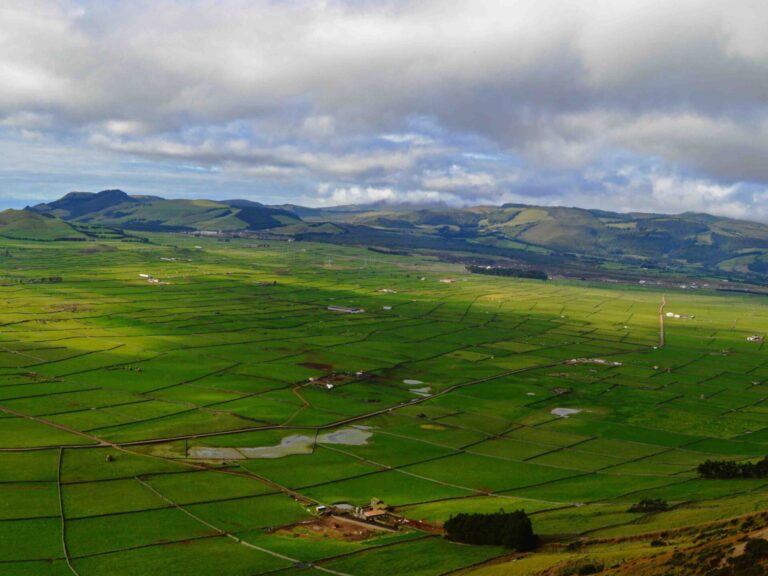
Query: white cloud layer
[[539, 100]]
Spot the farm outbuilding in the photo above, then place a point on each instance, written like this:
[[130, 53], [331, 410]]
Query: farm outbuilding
[[346, 310]]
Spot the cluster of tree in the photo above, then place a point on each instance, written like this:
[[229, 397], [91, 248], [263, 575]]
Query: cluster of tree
[[725, 469], [515, 272], [391, 251], [509, 529], [649, 505], [42, 280]]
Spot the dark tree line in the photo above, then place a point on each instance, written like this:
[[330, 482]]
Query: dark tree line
[[514, 272], [42, 280], [725, 469], [509, 529], [649, 505], [390, 251]]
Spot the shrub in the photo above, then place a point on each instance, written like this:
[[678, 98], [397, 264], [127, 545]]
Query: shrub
[[650, 505]]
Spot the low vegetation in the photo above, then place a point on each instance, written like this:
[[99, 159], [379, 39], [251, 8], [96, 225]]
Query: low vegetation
[[649, 505], [750, 563]]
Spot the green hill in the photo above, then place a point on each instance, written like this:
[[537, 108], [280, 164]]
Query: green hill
[[559, 238], [697, 241], [26, 225], [118, 209]]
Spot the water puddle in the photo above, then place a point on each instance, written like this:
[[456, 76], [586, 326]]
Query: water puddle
[[346, 437], [564, 412], [289, 446], [209, 453]]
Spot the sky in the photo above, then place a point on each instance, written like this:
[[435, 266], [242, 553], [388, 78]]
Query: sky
[[629, 105]]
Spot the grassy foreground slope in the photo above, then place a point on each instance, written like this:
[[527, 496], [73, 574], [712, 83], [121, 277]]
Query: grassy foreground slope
[[165, 409]]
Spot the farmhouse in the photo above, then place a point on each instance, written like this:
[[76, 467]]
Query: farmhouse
[[755, 338], [346, 310], [601, 361], [373, 514], [679, 316], [377, 512]]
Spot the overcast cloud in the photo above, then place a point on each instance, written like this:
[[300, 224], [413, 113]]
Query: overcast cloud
[[628, 105]]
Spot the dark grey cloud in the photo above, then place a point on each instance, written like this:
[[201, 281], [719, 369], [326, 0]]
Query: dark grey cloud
[[615, 103]]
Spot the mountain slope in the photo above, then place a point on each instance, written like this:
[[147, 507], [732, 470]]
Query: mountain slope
[[77, 204], [26, 225], [699, 240], [118, 209], [557, 238]]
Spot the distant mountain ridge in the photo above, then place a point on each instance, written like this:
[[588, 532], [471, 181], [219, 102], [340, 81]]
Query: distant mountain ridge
[[535, 234], [700, 240], [118, 209]]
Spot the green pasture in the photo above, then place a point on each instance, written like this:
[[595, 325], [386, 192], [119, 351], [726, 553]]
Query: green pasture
[[483, 394]]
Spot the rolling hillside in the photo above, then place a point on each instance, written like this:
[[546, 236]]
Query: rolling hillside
[[118, 209], [699, 241], [26, 225], [557, 238]]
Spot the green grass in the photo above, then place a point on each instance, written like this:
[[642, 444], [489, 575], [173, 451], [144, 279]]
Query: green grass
[[108, 533], [422, 558], [216, 555], [221, 358]]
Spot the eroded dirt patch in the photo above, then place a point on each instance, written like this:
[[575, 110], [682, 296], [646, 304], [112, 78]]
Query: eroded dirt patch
[[335, 527], [317, 365]]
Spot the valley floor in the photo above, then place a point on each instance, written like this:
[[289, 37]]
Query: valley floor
[[184, 406]]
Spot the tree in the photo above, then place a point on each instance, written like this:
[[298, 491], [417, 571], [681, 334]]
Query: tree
[[509, 529], [649, 505], [726, 469]]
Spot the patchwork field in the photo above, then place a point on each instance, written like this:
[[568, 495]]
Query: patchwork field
[[185, 405]]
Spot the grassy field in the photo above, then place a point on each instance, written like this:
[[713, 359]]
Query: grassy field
[[169, 407]]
